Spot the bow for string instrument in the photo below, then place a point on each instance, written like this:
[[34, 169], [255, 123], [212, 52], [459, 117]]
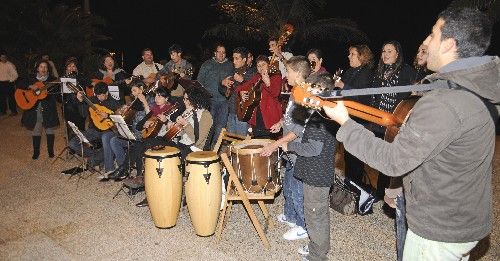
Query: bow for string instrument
[[94, 110]]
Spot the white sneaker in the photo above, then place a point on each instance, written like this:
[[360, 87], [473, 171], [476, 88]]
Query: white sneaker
[[282, 218], [304, 250], [295, 233]]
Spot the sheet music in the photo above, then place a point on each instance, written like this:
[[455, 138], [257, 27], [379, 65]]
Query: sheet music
[[114, 91], [78, 133], [122, 127], [65, 88]]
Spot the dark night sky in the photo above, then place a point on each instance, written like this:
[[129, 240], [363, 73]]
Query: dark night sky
[[157, 24]]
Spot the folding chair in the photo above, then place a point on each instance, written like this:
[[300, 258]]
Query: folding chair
[[236, 192]]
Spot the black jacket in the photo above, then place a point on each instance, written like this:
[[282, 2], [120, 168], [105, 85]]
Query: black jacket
[[49, 108]]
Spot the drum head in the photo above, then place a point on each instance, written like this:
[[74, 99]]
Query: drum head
[[253, 146], [202, 156], [166, 151]]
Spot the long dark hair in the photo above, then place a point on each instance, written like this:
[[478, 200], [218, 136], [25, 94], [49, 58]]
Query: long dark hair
[[199, 97], [399, 61]]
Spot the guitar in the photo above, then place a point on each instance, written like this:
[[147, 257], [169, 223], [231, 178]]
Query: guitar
[[176, 127], [305, 95], [89, 90], [244, 109], [155, 127], [94, 110], [274, 62], [26, 99]]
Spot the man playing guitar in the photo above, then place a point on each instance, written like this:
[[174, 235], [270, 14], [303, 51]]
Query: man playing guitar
[[93, 133], [148, 68]]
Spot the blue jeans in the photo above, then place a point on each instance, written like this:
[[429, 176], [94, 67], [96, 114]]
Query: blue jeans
[[236, 126], [293, 191], [219, 111], [94, 136], [118, 146], [109, 163]]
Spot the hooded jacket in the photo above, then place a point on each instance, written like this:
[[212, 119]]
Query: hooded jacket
[[444, 150]]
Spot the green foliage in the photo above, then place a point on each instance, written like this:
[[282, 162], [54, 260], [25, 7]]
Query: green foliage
[[32, 28], [257, 20]]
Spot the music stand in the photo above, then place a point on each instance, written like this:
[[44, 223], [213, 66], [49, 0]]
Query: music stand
[[127, 135], [65, 90]]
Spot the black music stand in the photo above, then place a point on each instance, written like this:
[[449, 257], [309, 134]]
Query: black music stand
[[64, 90], [127, 135], [82, 168]]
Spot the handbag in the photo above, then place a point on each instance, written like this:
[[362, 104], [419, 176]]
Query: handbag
[[342, 199]]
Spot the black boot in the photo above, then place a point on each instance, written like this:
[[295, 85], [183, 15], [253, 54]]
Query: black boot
[[36, 146], [50, 145]]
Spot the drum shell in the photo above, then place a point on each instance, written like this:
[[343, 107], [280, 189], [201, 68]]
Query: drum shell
[[257, 174], [163, 187], [203, 192]]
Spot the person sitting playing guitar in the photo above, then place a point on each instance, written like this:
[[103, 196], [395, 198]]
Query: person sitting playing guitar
[[189, 132], [95, 106]]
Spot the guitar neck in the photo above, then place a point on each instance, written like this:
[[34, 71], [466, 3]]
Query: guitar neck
[[366, 113]]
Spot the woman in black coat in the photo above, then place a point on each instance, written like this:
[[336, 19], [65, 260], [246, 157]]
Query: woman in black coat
[[70, 103], [43, 115], [358, 76]]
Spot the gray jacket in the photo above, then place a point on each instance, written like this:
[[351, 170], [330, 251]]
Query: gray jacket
[[445, 151]]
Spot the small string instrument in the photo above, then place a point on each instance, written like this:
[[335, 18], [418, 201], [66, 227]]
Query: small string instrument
[[244, 109], [26, 99], [241, 71], [155, 127], [274, 67], [89, 90], [176, 127], [94, 110]]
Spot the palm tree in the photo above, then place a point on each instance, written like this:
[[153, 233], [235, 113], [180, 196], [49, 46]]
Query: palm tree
[[35, 27], [256, 21]]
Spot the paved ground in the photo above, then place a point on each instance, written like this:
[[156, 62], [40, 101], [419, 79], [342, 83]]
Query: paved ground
[[46, 216]]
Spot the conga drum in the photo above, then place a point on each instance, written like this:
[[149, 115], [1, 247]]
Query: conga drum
[[256, 173], [163, 185], [203, 190]]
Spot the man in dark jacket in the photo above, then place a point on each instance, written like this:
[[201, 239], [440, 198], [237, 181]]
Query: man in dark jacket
[[445, 148], [211, 74]]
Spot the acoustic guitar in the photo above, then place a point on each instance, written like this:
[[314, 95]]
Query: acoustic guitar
[[26, 99], [94, 110], [303, 95], [89, 90], [306, 95], [155, 127], [176, 127]]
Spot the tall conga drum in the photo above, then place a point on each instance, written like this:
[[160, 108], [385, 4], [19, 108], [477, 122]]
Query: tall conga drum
[[163, 185], [203, 190], [257, 174]]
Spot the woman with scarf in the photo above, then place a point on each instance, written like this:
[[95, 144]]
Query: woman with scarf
[[43, 115], [391, 71]]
